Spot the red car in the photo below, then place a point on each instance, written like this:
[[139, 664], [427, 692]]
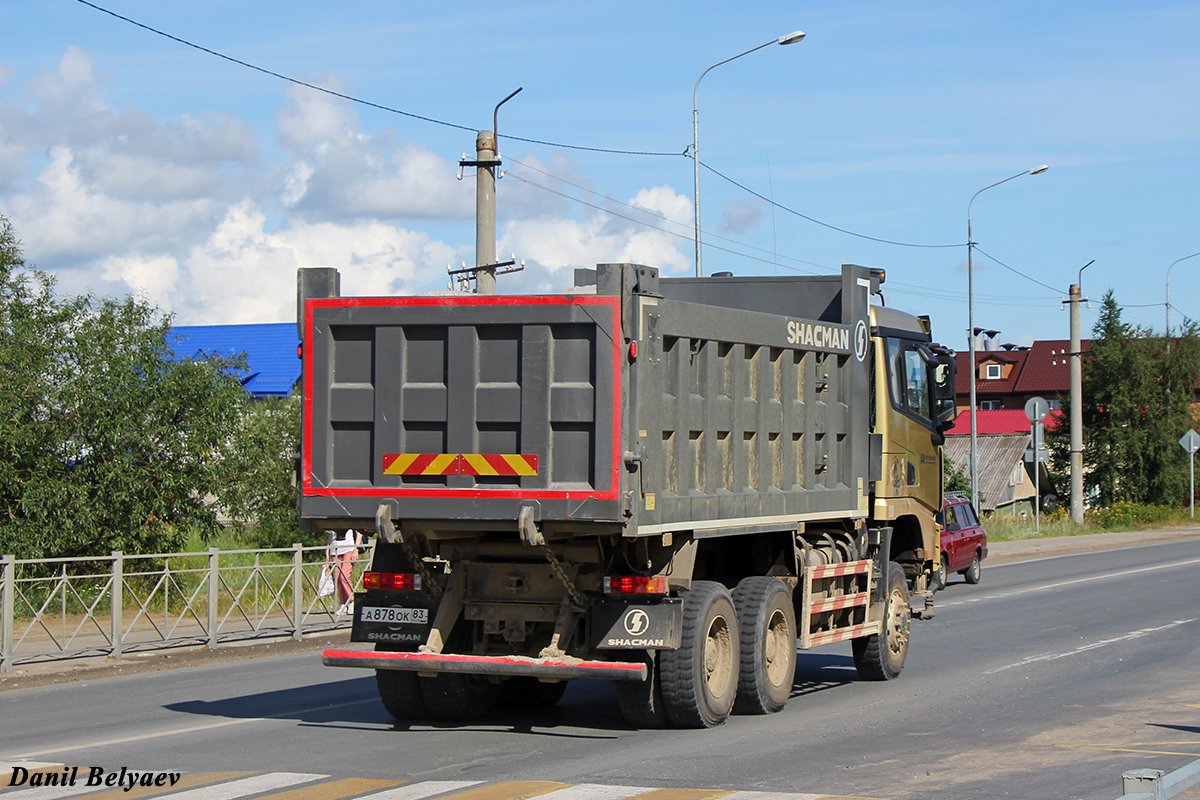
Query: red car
[[964, 542]]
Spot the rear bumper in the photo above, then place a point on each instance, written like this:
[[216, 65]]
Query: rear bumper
[[564, 669]]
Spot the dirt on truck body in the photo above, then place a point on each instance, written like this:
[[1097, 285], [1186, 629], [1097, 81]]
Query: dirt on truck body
[[666, 483]]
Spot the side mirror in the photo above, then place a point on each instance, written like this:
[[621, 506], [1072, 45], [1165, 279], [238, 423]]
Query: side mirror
[[942, 371]]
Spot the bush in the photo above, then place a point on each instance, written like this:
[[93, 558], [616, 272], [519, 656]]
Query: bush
[[1124, 516]]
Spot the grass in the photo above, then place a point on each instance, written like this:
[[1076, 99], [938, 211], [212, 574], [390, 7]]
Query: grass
[[1003, 527]]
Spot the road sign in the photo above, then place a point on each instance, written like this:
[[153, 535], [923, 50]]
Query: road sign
[[1036, 409], [1043, 455], [1190, 442]]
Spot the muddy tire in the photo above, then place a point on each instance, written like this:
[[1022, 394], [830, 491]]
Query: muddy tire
[[641, 702], [767, 629], [880, 657], [700, 679], [973, 572], [400, 692], [457, 696]]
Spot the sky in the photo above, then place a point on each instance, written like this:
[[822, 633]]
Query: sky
[[131, 162]]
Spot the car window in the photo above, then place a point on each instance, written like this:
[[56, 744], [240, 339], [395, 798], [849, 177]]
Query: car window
[[951, 518], [967, 515]]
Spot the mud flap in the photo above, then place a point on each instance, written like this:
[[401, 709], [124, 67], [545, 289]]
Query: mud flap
[[649, 625]]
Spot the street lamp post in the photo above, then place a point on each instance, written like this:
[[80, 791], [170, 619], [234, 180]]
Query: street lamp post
[[790, 38], [971, 330], [1173, 263]]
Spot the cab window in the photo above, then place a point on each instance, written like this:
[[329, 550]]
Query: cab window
[[908, 378]]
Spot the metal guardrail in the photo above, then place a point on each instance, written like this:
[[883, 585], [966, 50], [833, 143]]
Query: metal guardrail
[[1154, 784], [61, 608]]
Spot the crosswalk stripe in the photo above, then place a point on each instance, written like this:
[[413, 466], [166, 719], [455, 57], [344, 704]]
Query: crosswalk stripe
[[509, 790], [682, 794], [596, 791], [775, 796], [332, 790], [184, 782], [419, 791], [276, 786], [247, 786]]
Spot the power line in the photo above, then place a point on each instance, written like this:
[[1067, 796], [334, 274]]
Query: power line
[[357, 100], [1018, 272], [781, 207], [612, 213], [685, 225]]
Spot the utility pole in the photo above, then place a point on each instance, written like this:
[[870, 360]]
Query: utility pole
[[1077, 401], [487, 161], [485, 212]]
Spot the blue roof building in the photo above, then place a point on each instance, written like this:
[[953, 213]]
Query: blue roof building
[[270, 350]]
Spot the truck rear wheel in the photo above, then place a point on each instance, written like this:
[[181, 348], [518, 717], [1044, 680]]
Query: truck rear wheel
[[400, 692], [641, 702], [700, 679], [458, 696], [880, 656], [767, 629]]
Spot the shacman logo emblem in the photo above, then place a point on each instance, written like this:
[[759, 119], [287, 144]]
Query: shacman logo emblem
[[636, 621]]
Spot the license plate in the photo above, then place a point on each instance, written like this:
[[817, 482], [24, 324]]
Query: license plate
[[395, 616]]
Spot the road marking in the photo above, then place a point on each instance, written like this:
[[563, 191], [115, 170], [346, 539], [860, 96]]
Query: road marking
[[419, 791], [247, 786], [1108, 576], [1134, 747], [332, 790], [596, 791], [233, 786], [185, 782], [508, 790], [681, 794], [190, 729], [773, 796], [1093, 646]]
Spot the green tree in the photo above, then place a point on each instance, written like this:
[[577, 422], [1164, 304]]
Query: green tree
[[106, 441], [954, 477], [1137, 402], [258, 490]]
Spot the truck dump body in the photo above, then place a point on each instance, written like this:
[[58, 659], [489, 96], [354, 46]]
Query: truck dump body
[[625, 481], [719, 419]]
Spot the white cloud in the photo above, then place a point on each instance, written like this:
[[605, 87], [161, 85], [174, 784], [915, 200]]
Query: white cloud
[[740, 216], [178, 210], [557, 244], [340, 172], [245, 273]]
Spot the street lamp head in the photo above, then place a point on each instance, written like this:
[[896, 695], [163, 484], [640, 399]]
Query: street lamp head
[[791, 38], [1039, 170]]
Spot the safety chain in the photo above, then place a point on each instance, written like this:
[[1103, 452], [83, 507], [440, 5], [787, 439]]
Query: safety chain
[[557, 566], [428, 584]]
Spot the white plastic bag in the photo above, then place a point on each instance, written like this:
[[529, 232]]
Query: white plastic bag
[[325, 584]]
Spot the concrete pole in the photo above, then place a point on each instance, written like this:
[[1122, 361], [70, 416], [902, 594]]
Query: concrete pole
[[485, 213], [1076, 410]]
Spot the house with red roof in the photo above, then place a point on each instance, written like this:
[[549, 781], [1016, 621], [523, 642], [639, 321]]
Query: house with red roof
[[1008, 378], [1005, 380]]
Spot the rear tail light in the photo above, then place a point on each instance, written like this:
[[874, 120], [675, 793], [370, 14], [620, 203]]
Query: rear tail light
[[398, 581], [634, 584]]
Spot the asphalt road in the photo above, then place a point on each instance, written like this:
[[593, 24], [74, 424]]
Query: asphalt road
[[1047, 680]]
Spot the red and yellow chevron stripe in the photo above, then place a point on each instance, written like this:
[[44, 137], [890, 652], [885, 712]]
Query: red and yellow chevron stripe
[[460, 464]]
